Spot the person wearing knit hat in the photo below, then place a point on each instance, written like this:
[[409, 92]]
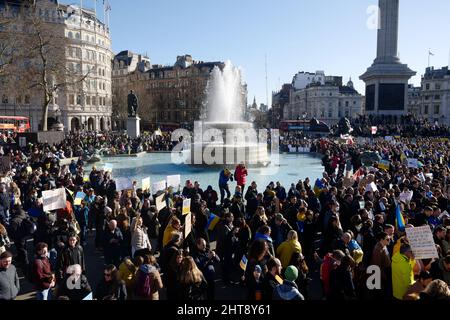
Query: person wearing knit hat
[[291, 273], [288, 290]]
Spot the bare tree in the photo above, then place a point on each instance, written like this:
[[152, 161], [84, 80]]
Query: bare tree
[[41, 63]]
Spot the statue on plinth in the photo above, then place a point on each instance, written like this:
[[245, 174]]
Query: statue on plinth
[[133, 105]]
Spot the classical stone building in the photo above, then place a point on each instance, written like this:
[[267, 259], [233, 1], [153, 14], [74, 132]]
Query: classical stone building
[[435, 95], [169, 96], [84, 102], [327, 102], [280, 105]]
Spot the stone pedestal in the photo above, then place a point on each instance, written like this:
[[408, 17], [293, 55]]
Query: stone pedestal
[[387, 79], [134, 127]]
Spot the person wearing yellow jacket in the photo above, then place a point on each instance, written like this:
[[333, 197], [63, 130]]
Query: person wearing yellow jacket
[[173, 226], [402, 271], [289, 248]]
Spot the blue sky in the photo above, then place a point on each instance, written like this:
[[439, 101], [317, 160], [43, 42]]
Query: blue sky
[[295, 35]]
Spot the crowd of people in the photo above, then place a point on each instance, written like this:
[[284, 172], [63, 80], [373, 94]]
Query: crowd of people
[[268, 243]]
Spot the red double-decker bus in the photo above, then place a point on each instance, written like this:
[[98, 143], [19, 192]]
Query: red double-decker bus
[[15, 124]]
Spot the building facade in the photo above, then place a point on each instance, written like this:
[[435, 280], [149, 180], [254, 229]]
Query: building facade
[[435, 95], [84, 104], [280, 105], [328, 102], [170, 96]]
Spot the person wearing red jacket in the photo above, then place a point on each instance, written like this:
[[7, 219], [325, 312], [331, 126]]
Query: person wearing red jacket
[[240, 175], [43, 277]]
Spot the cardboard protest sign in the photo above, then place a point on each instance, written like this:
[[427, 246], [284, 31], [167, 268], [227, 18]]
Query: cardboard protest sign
[[146, 184], [372, 187], [161, 202], [188, 225], [413, 163], [159, 186], [422, 243], [54, 199], [5, 165], [186, 206], [124, 184], [406, 196], [173, 181]]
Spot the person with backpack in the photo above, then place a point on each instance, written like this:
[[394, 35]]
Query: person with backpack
[[148, 280], [192, 285], [42, 276], [111, 287]]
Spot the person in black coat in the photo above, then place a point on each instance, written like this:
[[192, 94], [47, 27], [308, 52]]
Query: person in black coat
[[71, 254], [112, 244], [205, 260], [18, 234], [75, 285], [341, 281], [111, 287], [251, 196]]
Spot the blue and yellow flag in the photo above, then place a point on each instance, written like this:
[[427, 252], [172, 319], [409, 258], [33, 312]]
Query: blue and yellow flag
[[212, 222], [318, 187], [243, 263], [399, 220]]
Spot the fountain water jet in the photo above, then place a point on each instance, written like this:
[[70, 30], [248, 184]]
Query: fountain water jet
[[224, 113]]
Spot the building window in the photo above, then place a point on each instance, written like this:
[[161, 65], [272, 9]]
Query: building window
[[71, 99], [88, 100], [346, 104], [94, 101], [70, 35], [427, 86], [425, 109], [4, 99], [19, 100], [436, 109], [437, 97], [79, 99], [330, 113], [438, 86]]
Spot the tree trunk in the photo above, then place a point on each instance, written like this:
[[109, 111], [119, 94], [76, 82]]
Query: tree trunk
[[44, 119]]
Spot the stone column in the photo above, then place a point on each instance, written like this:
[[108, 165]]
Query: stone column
[[387, 48]]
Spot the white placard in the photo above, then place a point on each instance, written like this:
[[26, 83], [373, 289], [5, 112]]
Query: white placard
[[188, 225], [173, 181], [406, 196], [22, 142], [186, 206], [146, 184], [54, 199], [372, 187], [161, 202], [413, 163], [124, 184], [158, 186], [422, 243]]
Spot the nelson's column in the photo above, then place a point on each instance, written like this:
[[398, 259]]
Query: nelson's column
[[387, 79]]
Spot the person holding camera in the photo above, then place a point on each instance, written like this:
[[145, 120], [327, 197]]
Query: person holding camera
[[224, 178]]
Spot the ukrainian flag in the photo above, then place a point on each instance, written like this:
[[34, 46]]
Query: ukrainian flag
[[243, 263], [400, 221], [212, 222], [318, 187]]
